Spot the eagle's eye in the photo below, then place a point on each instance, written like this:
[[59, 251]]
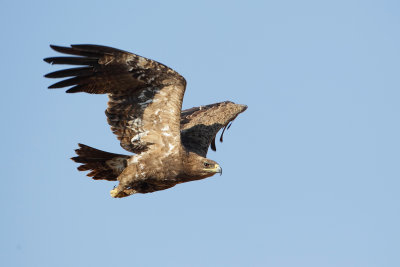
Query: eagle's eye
[[206, 164]]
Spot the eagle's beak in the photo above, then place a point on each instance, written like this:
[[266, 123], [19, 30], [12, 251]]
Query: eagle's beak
[[218, 169]]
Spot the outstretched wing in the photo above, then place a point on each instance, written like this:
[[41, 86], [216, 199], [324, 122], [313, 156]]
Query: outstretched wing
[[145, 97], [200, 125]]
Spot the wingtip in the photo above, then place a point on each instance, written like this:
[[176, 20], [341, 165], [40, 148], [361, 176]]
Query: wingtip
[[213, 146], [55, 47], [60, 49], [244, 107], [53, 86], [47, 60], [75, 89]]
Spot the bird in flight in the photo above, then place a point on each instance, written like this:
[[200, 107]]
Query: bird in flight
[[145, 112]]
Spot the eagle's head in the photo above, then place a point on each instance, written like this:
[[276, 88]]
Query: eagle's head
[[199, 167]]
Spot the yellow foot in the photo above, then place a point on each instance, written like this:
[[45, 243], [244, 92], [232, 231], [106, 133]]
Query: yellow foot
[[129, 192], [115, 193]]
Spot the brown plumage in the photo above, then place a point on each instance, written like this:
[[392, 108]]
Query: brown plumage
[[144, 111]]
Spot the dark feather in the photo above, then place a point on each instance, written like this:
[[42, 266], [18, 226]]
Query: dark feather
[[72, 60], [97, 49], [77, 89], [213, 147], [221, 139], [95, 160], [66, 83], [83, 71], [74, 51]]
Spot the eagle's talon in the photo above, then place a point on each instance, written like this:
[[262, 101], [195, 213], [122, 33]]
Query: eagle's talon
[[115, 193]]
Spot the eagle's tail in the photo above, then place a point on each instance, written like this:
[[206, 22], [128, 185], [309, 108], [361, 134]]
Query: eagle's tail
[[103, 165]]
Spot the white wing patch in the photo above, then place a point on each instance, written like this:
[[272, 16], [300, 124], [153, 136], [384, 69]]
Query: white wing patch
[[171, 147], [137, 137], [135, 123]]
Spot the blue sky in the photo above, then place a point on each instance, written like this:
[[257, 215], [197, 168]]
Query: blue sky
[[311, 169]]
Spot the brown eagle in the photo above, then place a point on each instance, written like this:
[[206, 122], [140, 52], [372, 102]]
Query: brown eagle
[[144, 111]]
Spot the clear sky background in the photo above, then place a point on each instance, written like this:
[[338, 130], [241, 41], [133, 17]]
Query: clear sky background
[[311, 169]]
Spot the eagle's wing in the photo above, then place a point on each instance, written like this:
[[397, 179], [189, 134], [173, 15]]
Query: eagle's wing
[[200, 125], [145, 97]]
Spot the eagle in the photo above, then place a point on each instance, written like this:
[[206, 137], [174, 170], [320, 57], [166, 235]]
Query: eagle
[[169, 145]]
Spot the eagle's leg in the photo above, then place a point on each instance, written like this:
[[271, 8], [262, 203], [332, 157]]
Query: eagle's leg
[[125, 179], [120, 191]]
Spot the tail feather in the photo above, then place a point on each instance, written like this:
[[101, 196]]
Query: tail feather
[[103, 165]]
